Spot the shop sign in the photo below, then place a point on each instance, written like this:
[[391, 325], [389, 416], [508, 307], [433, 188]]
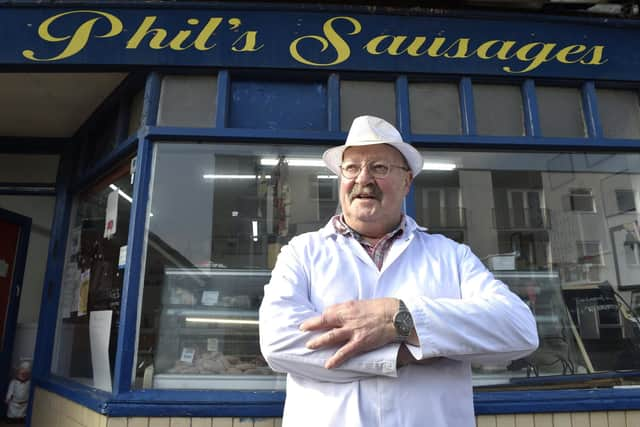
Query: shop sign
[[594, 49]]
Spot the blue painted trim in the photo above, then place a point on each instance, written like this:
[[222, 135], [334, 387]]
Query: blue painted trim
[[453, 142], [590, 110], [467, 112], [403, 114], [122, 150], [127, 332], [333, 102], [244, 135], [53, 275], [89, 397], [206, 403], [530, 105], [440, 141], [222, 107], [151, 100], [30, 189], [403, 118], [556, 401]]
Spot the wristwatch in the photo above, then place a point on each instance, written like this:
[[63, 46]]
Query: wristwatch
[[402, 322]]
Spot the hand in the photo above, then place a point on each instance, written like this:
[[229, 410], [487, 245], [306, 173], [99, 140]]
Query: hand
[[361, 325]]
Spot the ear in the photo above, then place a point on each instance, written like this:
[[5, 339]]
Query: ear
[[407, 183]]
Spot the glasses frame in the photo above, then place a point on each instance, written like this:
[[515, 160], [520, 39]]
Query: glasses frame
[[362, 165]]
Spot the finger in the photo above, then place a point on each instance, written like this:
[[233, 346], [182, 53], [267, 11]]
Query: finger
[[330, 338], [327, 320], [343, 354]]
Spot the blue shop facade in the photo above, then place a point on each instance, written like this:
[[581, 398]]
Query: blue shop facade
[[170, 196]]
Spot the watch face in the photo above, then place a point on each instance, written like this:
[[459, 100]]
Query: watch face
[[403, 323]]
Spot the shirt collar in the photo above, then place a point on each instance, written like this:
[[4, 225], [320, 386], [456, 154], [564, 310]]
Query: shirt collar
[[407, 222]]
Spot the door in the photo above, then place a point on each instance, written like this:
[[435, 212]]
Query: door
[[14, 240]]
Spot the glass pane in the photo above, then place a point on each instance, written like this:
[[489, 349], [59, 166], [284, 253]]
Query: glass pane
[[498, 110], [580, 274], [435, 108], [619, 113], [366, 97], [219, 215], [560, 111], [92, 280], [188, 101]]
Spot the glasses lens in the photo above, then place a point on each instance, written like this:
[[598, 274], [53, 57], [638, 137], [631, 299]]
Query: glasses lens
[[350, 170], [377, 170]]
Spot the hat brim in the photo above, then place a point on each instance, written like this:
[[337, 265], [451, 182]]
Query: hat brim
[[333, 156]]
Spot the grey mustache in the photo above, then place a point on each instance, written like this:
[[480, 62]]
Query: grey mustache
[[370, 190]]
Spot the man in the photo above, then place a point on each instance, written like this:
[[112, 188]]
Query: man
[[375, 321]]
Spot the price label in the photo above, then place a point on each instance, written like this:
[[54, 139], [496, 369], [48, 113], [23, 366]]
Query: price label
[[187, 355]]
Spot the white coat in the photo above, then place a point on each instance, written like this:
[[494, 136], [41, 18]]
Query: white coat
[[462, 314]]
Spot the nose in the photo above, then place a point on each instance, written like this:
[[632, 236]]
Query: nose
[[364, 177]]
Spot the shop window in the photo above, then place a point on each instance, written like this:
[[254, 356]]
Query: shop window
[[189, 101], [366, 97], [210, 250], [619, 113], [589, 252], [581, 200], [560, 112], [435, 108], [498, 110], [89, 310], [519, 226], [626, 200], [221, 213], [275, 104], [632, 252]]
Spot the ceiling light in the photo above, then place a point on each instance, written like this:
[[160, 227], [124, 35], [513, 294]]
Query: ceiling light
[[219, 176], [438, 166], [293, 162], [219, 320]]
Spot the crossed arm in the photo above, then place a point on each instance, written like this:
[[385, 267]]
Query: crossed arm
[[356, 339]]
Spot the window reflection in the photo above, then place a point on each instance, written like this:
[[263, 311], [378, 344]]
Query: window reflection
[[221, 215], [92, 281], [561, 231]]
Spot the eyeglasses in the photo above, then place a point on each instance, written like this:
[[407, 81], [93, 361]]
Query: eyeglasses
[[378, 170]]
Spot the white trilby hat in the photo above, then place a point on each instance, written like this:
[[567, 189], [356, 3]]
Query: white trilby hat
[[370, 130]]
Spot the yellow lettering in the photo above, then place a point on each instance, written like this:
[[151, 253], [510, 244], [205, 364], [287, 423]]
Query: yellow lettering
[[563, 53], [249, 43], [436, 44], [503, 53], [80, 37], [395, 47], [541, 56], [462, 46], [144, 29], [597, 53], [330, 37], [201, 41]]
